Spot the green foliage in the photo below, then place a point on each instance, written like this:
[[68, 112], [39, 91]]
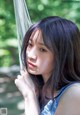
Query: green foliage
[[38, 9], [8, 46]]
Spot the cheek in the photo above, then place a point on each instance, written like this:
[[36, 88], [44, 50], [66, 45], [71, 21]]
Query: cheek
[[46, 65], [27, 52]]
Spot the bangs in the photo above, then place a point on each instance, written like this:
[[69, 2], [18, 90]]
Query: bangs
[[48, 40], [33, 33]]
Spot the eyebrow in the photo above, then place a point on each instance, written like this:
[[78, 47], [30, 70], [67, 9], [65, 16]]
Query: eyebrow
[[38, 42], [41, 43]]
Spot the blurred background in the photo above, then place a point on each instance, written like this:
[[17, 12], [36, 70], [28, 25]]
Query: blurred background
[[10, 97]]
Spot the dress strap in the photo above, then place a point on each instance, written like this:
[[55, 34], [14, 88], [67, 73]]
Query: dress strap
[[62, 91], [51, 106]]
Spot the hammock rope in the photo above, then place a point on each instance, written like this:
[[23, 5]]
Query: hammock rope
[[23, 22]]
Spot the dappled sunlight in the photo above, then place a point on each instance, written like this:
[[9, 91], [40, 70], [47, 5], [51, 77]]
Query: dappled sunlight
[[40, 7], [14, 94], [2, 22], [12, 42], [4, 52], [2, 90], [45, 2], [20, 105], [2, 80]]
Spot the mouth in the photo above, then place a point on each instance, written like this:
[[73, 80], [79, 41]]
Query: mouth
[[31, 65]]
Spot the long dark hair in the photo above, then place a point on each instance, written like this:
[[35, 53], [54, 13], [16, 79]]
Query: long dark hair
[[62, 37]]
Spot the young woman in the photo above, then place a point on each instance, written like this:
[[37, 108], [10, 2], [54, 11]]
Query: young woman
[[50, 81]]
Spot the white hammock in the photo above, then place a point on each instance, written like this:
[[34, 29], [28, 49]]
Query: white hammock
[[23, 22]]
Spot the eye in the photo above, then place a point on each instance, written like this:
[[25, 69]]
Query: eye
[[30, 44], [42, 50]]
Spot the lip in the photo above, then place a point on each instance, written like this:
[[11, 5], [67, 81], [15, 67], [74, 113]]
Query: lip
[[31, 65]]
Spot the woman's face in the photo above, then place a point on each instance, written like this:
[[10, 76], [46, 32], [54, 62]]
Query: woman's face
[[39, 57]]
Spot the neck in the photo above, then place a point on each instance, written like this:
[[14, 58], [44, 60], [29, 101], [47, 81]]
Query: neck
[[46, 77]]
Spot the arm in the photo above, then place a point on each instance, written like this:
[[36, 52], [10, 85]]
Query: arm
[[70, 101], [27, 89]]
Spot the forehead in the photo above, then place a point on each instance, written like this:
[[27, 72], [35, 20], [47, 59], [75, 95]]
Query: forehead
[[36, 36]]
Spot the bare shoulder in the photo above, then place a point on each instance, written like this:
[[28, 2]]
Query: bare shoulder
[[73, 91], [70, 101]]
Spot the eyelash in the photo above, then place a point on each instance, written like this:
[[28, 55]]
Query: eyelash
[[42, 50]]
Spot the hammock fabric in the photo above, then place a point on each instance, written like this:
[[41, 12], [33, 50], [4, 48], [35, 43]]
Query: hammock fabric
[[23, 22]]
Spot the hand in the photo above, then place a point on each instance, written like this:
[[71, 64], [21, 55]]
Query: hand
[[27, 89], [25, 84]]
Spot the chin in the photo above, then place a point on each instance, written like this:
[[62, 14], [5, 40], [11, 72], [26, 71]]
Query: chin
[[33, 72]]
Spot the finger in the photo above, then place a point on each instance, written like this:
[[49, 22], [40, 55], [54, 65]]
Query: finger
[[24, 76], [19, 77], [27, 79], [24, 73], [22, 86], [15, 81]]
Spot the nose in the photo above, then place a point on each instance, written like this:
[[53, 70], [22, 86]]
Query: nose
[[32, 54]]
